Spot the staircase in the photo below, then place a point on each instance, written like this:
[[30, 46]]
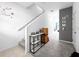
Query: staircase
[[22, 43]]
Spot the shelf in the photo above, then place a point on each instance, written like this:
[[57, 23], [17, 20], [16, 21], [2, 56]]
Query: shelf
[[36, 34], [38, 47], [35, 42]]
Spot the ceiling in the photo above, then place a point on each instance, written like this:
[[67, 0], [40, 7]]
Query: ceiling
[[48, 5], [55, 5], [24, 4]]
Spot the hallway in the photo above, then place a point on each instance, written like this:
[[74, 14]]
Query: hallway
[[19, 20]]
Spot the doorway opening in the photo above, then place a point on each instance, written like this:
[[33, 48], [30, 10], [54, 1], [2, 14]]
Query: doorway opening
[[53, 25]]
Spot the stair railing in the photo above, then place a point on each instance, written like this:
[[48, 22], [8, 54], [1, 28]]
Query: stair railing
[[32, 19]]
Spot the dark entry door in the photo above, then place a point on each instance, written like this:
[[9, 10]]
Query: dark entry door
[[65, 24]]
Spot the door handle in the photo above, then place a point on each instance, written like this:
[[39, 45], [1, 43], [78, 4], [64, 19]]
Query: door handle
[[58, 30]]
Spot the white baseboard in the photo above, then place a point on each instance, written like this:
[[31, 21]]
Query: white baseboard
[[66, 41]]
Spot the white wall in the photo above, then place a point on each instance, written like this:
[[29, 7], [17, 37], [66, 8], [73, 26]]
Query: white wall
[[76, 25], [53, 18], [40, 22], [9, 35]]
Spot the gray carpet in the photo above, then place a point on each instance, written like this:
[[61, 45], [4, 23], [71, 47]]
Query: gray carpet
[[55, 49]]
